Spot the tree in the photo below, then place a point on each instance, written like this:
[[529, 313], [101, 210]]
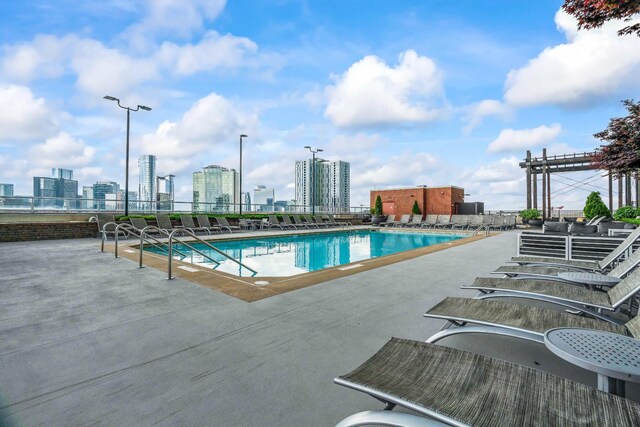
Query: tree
[[595, 206], [594, 13], [377, 210], [416, 209], [622, 155]]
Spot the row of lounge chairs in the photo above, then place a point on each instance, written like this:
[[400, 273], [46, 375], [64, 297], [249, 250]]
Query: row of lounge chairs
[[456, 387], [461, 222], [221, 224]]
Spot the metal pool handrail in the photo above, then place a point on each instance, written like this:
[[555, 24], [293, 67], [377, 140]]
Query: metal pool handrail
[[210, 246]]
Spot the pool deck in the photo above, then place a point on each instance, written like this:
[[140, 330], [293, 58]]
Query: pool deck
[[89, 339]]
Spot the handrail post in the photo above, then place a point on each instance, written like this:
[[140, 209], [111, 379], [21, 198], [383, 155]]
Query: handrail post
[[170, 256]]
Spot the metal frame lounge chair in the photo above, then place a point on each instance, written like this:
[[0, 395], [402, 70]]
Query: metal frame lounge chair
[[444, 221], [272, 221], [404, 221], [340, 223], [320, 221], [299, 222], [586, 301], [429, 221], [110, 230], [187, 222], [416, 221], [516, 320], [578, 265], [287, 220], [140, 224], [164, 223], [203, 222], [389, 222], [460, 388], [223, 223], [312, 221]]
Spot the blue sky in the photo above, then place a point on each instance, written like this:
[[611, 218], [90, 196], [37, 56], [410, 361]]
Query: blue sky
[[410, 93]]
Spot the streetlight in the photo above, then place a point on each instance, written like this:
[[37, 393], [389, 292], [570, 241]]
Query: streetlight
[[126, 172], [313, 172], [241, 136]]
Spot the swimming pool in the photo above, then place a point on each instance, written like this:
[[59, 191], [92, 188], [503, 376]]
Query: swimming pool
[[303, 253]]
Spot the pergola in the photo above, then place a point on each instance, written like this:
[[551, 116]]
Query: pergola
[[546, 165]]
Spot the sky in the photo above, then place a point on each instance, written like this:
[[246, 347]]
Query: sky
[[423, 92]]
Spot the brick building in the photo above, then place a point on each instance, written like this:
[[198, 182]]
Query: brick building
[[431, 200]]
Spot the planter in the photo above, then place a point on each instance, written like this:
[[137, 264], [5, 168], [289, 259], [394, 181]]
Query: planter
[[536, 222], [377, 219]]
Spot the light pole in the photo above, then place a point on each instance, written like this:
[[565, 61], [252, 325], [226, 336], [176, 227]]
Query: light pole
[[126, 172], [241, 136], [313, 173]]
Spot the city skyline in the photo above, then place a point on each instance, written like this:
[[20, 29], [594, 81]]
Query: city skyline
[[409, 93]]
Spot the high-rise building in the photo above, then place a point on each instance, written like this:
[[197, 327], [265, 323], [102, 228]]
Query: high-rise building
[[100, 191], [88, 202], [216, 188], [56, 191], [263, 198], [165, 192], [6, 190], [147, 189], [62, 173], [246, 207], [327, 185]]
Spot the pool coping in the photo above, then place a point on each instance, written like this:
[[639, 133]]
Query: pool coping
[[246, 289]]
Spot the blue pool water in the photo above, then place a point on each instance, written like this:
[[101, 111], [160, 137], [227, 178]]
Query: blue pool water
[[291, 255]]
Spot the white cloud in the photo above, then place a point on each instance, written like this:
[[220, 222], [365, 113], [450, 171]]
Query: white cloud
[[62, 151], [511, 139], [592, 63], [372, 93], [23, 116], [209, 124], [486, 108], [213, 51]]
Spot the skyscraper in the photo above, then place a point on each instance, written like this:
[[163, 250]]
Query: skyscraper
[[165, 192], [328, 186], [100, 191], [56, 191], [88, 201], [216, 188], [263, 197], [6, 190], [147, 189]]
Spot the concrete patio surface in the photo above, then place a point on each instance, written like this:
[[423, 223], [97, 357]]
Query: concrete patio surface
[[89, 339]]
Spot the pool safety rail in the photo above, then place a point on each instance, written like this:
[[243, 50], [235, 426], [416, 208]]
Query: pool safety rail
[[167, 247]]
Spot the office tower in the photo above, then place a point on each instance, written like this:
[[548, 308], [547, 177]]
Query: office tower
[[100, 191], [328, 184], [56, 192], [88, 201], [216, 188], [6, 190], [165, 192], [62, 173], [247, 202], [147, 189], [263, 198]]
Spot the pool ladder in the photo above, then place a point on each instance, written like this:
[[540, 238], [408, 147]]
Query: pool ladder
[[167, 247]]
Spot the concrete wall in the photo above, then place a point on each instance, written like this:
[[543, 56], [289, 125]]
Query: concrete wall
[[436, 200]]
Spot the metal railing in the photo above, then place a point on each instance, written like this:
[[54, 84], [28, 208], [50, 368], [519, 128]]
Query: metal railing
[[168, 246], [61, 205]]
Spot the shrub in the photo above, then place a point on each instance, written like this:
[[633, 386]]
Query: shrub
[[530, 214], [595, 206], [377, 210], [626, 212], [416, 209]]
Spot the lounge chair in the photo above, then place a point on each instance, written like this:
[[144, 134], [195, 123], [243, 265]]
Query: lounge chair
[[319, 220], [299, 222], [342, 223], [187, 222], [460, 388], [312, 221], [586, 301], [460, 221], [140, 224], [272, 221], [516, 320], [444, 221], [224, 224], [581, 265], [164, 223], [430, 221], [555, 274], [203, 222], [110, 229], [389, 222], [404, 220], [287, 220], [416, 221]]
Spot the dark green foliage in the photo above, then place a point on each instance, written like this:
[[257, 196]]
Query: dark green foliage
[[595, 206], [415, 209], [377, 210], [626, 212], [176, 217], [530, 214]]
